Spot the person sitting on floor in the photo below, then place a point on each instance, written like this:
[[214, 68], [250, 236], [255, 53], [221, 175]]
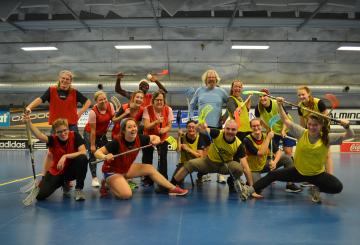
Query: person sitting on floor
[[118, 169]]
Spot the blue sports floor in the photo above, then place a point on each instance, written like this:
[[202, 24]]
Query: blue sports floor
[[208, 215]]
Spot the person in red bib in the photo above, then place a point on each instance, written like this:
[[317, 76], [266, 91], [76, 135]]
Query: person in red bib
[[96, 128], [63, 100], [69, 161], [118, 169], [143, 86], [157, 121], [133, 109]]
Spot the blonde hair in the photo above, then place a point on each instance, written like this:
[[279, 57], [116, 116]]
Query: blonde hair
[[65, 72], [232, 86], [135, 93], [98, 93], [205, 75], [60, 122]]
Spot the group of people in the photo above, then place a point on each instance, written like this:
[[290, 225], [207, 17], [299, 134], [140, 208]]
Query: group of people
[[240, 146]]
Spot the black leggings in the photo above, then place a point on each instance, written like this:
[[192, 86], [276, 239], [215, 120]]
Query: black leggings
[[75, 171], [326, 182], [100, 141], [162, 164]]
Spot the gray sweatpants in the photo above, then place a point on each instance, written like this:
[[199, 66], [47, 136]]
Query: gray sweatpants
[[205, 165]]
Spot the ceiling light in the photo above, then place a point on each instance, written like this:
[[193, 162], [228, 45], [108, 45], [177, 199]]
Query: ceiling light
[[38, 48], [133, 47], [249, 47], [349, 48]]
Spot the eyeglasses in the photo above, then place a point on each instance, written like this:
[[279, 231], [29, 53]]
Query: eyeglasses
[[158, 100], [62, 131]]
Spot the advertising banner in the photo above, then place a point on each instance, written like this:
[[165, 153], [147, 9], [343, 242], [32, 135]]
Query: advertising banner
[[13, 144], [352, 147], [184, 118], [4, 118]]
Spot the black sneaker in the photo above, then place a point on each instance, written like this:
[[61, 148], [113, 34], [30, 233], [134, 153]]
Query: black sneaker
[[231, 185], [66, 189], [146, 182], [292, 188], [161, 190]]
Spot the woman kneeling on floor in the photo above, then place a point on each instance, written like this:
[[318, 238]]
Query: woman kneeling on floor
[[69, 161], [310, 155], [118, 169]]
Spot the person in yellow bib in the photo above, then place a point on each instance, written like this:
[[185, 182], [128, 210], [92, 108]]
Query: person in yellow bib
[[267, 109], [257, 145], [235, 104], [310, 155], [308, 101], [191, 144], [232, 152]]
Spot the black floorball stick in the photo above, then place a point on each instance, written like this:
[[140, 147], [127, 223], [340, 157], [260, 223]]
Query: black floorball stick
[[239, 187], [123, 153], [178, 121]]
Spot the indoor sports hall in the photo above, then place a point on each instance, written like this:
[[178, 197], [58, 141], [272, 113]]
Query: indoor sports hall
[[179, 122]]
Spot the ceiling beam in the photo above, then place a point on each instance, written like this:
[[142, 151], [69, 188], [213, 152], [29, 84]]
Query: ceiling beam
[[155, 16], [75, 15], [321, 5], [188, 23], [233, 14], [15, 25], [7, 9]]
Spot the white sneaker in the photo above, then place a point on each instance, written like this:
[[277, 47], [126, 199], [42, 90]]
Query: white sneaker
[[206, 178], [79, 195], [95, 182], [221, 179]]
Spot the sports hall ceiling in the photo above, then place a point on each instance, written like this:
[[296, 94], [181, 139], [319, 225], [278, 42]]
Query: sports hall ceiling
[[187, 38]]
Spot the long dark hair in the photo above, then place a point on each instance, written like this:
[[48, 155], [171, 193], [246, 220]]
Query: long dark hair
[[324, 127]]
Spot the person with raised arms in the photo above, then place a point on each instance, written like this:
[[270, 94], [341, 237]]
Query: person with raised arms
[[143, 86], [310, 155], [308, 101]]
